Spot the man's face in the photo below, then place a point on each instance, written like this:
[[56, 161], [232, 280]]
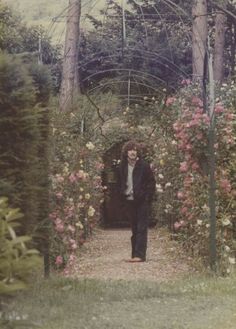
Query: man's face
[[132, 154]]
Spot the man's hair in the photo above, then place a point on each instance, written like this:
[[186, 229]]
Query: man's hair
[[130, 145]]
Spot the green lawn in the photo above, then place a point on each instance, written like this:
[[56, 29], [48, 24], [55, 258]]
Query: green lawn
[[193, 303]]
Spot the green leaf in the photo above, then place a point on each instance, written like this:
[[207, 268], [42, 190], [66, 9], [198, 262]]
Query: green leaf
[[32, 252], [6, 289], [13, 214], [3, 202], [20, 239]]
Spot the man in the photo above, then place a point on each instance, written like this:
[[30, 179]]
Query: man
[[136, 186]]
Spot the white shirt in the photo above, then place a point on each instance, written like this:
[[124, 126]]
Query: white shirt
[[129, 190]]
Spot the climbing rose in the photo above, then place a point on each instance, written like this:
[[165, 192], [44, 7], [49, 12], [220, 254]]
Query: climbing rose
[[183, 166], [180, 195], [170, 100], [90, 146], [59, 260], [91, 211], [225, 185], [73, 178]]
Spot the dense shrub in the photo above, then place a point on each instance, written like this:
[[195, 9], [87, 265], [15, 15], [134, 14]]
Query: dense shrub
[[23, 142]]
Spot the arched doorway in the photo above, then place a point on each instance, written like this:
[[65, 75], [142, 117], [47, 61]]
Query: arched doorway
[[113, 214]]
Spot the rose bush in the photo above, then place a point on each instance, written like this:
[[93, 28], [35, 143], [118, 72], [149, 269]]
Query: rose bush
[[179, 143], [191, 133], [76, 190]]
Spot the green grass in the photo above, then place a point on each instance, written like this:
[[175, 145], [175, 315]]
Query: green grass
[[193, 303]]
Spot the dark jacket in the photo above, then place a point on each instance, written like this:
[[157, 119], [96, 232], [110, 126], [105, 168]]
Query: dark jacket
[[143, 181]]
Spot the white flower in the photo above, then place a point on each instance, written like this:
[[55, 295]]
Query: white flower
[[90, 146], [227, 248], [226, 222], [199, 222], [159, 188], [87, 196], [232, 260], [79, 225], [91, 211], [168, 184], [160, 176], [205, 208]]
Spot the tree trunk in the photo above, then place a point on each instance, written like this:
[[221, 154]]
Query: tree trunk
[[220, 26], [199, 37], [233, 50], [70, 79]]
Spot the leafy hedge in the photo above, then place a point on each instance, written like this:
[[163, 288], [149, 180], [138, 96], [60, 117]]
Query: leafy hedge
[[23, 143]]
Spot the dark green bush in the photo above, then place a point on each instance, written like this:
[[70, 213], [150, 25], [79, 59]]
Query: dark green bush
[[24, 92]]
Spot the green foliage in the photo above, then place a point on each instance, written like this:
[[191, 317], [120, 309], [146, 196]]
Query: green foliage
[[17, 261], [156, 48], [23, 142], [17, 38], [42, 83]]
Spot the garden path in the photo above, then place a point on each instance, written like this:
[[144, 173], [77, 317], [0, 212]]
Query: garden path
[[104, 257]]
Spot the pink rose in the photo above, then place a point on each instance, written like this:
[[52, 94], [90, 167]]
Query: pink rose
[[170, 100], [73, 178], [59, 228], [59, 195], [184, 210], [180, 195], [177, 225], [195, 166], [219, 108], [225, 185], [183, 166], [59, 260]]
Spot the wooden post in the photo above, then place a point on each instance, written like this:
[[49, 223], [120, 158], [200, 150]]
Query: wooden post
[[70, 80], [212, 164]]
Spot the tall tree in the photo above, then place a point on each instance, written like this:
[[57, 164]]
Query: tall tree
[[70, 78], [199, 37], [220, 27]]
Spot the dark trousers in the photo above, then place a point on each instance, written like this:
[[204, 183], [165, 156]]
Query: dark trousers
[[137, 214]]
